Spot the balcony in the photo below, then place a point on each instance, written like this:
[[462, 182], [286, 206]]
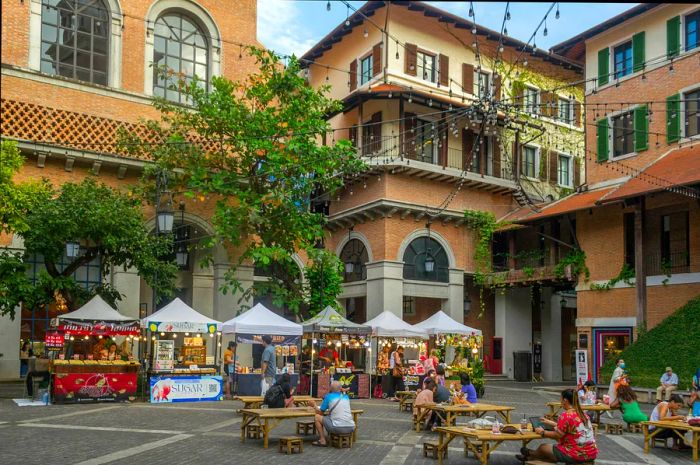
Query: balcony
[[525, 268], [656, 264]]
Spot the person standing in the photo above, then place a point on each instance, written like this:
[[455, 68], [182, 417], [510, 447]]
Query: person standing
[[229, 368], [396, 366], [669, 383], [268, 365], [616, 378], [25, 353]]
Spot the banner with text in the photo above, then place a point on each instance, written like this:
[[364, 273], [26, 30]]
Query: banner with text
[[186, 388]]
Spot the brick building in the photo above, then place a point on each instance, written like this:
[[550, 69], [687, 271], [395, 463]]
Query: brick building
[[414, 80], [73, 72], [637, 214]]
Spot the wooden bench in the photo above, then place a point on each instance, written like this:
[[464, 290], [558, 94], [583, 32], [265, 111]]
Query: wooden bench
[[253, 431], [341, 441], [613, 428], [634, 427], [306, 427], [408, 405], [431, 449], [644, 395], [291, 445], [595, 428]]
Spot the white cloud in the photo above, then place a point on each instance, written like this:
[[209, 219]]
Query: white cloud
[[281, 27]]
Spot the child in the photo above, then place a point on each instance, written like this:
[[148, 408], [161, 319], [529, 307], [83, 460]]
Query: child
[[468, 388]]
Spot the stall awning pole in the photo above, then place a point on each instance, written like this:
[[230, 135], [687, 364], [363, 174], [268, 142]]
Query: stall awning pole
[[311, 382]]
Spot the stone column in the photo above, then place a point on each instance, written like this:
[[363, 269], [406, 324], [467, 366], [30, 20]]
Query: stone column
[[9, 345], [551, 336], [454, 306], [513, 324], [384, 288], [128, 283]]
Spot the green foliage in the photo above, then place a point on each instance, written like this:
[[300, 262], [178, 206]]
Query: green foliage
[[108, 224], [477, 375], [673, 342], [16, 200], [324, 273], [625, 275], [259, 160], [577, 260]]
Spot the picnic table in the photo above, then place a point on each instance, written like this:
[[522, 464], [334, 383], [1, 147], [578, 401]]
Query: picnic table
[[480, 442], [403, 396], [449, 413], [269, 418], [680, 428], [256, 401], [596, 409]]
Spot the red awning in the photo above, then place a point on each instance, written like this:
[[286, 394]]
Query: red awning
[[572, 203], [678, 168]]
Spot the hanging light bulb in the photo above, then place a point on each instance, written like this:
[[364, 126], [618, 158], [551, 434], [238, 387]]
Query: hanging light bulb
[[507, 15], [365, 34], [474, 30], [347, 22], [471, 11], [328, 6], [525, 62], [505, 31], [556, 15], [544, 33]]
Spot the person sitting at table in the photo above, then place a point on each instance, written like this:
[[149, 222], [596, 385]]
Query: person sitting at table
[[573, 432], [694, 403], [468, 388], [666, 411], [440, 375], [669, 383], [334, 416], [626, 401], [281, 394], [586, 395], [442, 395], [425, 397]]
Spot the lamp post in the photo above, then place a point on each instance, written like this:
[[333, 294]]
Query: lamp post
[[164, 211]]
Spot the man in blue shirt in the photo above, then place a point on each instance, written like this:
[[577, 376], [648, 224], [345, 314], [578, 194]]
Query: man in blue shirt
[[669, 383], [334, 415], [268, 363]]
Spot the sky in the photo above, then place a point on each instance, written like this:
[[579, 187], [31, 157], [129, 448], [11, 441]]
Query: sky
[[294, 26]]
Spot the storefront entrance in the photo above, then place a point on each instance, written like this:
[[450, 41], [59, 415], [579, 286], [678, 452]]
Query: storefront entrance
[[608, 344]]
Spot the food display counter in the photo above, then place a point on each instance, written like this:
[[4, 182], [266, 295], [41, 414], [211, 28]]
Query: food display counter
[[92, 380]]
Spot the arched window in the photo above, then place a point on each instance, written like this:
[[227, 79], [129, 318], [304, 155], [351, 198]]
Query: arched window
[[180, 46], [426, 260], [354, 257], [75, 39]]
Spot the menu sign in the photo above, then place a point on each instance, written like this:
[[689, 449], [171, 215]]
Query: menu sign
[[164, 355], [54, 340]]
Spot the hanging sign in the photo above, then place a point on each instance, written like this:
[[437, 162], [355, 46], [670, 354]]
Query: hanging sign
[[581, 366], [164, 355], [181, 327], [276, 340], [98, 328], [54, 340]]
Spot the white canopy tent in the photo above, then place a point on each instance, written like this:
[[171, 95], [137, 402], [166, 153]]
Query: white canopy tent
[[441, 323], [386, 324], [261, 320], [96, 309], [179, 317]]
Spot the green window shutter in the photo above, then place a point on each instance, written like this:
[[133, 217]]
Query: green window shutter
[[673, 36], [641, 128], [673, 118], [603, 66], [602, 139], [638, 51]]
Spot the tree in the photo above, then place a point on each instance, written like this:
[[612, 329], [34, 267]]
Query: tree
[[107, 224], [253, 147], [324, 280]]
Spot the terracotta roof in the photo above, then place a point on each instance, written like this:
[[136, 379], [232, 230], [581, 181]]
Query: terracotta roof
[[572, 203], [680, 167]]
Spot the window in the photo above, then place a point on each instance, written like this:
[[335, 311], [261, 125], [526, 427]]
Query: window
[[530, 161], [623, 134], [426, 66], [674, 246], [366, 65], [409, 305], [354, 257], [564, 170], [75, 39], [181, 46], [531, 100], [482, 84], [566, 111], [692, 30], [420, 251], [692, 113], [424, 140], [623, 59]]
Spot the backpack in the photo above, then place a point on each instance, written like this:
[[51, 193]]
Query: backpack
[[274, 397], [378, 391]]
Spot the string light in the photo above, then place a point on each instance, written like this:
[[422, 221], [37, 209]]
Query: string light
[[365, 34]]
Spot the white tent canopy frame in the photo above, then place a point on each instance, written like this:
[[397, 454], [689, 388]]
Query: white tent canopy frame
[[96, 309], [441, 323], [260, 320]]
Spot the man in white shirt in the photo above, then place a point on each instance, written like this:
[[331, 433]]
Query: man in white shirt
[[669, 383]]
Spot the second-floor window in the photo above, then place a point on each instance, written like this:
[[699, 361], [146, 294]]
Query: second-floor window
[[425, 135], [75, 39], [566, 111], [530, 161], [692, 113], [531, 100], [564, 170], [426, 66], [623, 134], [366, 65], [180, 46], [692, 30], [482, 84], [622, 55]]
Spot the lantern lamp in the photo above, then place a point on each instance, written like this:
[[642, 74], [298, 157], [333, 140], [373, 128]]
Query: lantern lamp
[[429, 264], [72, 249]]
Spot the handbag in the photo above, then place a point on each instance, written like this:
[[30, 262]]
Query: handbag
[[509, 429], [396, 372]]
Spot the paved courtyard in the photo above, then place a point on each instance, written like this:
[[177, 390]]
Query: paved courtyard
[[209, 433]]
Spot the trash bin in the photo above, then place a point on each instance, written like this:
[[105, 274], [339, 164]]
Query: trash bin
[[522, 365]]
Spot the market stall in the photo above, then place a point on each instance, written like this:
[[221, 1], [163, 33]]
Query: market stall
[[342, 352], [389, 329], [249, 327], [462, 347], [183, 368], [87, 365]]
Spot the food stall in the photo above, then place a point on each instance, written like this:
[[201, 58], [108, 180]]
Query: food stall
[[80, 370], [455, 338], [248, 328], [184, 347], [387, 328], [330, 331]]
